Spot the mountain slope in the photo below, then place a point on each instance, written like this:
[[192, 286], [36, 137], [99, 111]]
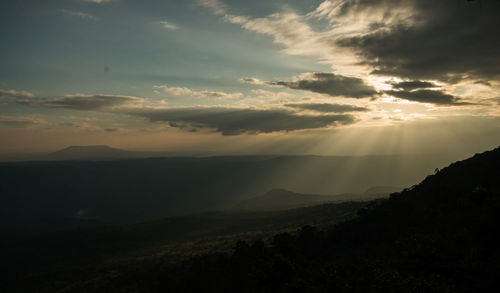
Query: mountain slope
[[438, 236], [278, 199], [91, 152], [160, 187], [101, 246], [281, 199]]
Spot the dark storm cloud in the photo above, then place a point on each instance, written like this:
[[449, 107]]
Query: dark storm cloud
[[328, 108], [428, 96], [233, 121], [87, 103], [331, 84], [412, 85], [448, 40]]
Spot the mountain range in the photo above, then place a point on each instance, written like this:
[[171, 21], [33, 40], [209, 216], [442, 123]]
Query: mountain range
[[131, 190], [278, 199], [435, 236]]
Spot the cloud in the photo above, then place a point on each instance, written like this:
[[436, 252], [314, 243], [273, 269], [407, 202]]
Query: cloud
[[100, 1], [289, 29], [331, 84], [215, 6], [444, 40], [16, 94], [86, 126], [18, 122], [327, 108], [413, 84], [186, 92], [252, 80], [496, 100], [360, 15], [422, 40], [486, 83], [88, 103], [235, 121], [79, 14], [174, 91], [427, 96], [168, 25]]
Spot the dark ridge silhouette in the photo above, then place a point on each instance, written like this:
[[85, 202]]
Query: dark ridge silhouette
[[56, 259], [436, 236], [91, 152], [136, 190], [383, 190], [281, 199], [278, 199]]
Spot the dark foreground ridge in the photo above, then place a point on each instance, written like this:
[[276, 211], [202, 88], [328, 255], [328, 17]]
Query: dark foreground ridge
[[437, 236]]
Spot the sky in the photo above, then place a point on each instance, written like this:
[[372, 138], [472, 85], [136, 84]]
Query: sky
[[359, 77]]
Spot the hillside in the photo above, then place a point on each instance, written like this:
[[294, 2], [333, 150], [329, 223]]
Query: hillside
[[279, 199], [135, 246], [136, 190], [438, 236], [91, 152]]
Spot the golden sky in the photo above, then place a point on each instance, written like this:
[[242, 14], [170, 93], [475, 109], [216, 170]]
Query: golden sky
[[238, 77]]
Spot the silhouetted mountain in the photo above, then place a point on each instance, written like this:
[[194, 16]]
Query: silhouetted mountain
[[437, 236], [134, 190], [84, 153], [91, 152], [281, 199], [383, 190], [277, 199]]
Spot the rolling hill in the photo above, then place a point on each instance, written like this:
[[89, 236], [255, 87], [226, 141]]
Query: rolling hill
[[56, 259], [436, 236], [279, 199], [93, 152], [135, 190]]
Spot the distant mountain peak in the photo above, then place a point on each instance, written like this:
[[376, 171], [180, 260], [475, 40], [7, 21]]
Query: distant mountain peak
[[280, 191], [382, 189], [89, 147], [89, 152]]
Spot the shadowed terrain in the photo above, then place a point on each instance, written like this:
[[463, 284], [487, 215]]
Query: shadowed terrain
[[278, 199], [437, 236], [135, 190], [283, 146], [77, 256]]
